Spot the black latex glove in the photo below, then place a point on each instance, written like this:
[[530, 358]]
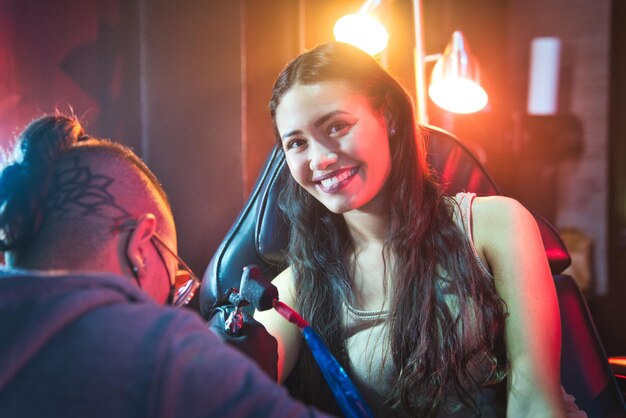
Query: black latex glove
[[253, 339]]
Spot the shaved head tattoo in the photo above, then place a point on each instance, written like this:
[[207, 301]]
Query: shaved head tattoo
[[75, 187]]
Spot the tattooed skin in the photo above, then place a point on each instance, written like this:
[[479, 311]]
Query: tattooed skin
[[75, 187]]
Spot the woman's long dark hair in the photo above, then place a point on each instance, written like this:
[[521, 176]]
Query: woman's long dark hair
[[423, 238]]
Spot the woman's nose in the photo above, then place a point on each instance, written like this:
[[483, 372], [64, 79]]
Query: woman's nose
[[322, 158]]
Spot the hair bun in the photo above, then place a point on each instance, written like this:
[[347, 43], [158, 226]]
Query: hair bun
[[18, 209], [24, 184], [12, 177]]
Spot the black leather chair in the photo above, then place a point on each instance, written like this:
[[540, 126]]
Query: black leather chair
[[259, 236]]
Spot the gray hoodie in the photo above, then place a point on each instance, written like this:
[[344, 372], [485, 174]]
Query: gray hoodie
[[94, 345]]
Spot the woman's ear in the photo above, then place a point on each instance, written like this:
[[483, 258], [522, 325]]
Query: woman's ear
[[390, 112], [139, 237]]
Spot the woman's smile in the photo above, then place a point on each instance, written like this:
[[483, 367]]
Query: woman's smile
[[337, 180]]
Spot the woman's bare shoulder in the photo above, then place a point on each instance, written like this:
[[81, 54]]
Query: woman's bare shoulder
[[499, 224], [498, 207], [497, 216]]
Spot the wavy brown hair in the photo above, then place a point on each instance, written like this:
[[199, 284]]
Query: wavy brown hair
[[423, 238]]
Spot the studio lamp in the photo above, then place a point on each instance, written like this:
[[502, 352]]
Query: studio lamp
[[455, 81], [362, 29]]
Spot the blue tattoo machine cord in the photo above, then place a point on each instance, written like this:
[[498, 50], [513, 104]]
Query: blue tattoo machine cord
[[262, 294], [348, 397]]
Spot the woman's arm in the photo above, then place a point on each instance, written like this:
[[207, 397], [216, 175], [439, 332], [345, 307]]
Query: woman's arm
[[287, 334], [507, 237]]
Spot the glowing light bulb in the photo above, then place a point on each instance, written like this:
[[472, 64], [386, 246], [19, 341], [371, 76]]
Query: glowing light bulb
[[362, 31], [458, 95]]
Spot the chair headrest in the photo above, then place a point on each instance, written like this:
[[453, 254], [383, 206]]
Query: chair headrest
[[460, 170]]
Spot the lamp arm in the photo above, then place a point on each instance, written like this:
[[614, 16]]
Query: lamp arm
[[432, 57], [419, 59], [369, 5]]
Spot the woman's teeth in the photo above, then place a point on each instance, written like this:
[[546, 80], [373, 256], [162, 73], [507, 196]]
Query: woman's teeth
[[338, 178]]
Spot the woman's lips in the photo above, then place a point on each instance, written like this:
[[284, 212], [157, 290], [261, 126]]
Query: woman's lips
[[337, 180]]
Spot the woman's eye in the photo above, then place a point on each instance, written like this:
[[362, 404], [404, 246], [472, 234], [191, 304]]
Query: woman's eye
[[337, 127], [294, 143]]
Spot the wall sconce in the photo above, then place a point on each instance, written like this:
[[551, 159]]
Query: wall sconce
[[455, 80]]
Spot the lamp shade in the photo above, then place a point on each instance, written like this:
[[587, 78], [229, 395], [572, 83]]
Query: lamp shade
[[455, 80]]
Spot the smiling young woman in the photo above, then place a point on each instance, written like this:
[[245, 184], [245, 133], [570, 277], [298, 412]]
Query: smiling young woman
[[437, 306]]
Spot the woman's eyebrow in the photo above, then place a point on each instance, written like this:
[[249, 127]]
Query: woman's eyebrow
[[327, 116], [288, 134], [320, 121]]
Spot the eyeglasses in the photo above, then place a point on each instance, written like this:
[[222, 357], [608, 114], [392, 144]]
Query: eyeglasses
[[185, 283]]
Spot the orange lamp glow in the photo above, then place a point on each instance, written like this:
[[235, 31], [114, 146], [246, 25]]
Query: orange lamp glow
[[458, 95], [363, 31], [618, 361]]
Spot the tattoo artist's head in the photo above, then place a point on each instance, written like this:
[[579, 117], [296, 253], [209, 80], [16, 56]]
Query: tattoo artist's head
[[72, 202]]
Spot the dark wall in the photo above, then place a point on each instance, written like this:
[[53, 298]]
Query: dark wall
[[160, 76], [270, 40], [71, 54], [190, 62], [610, 310]]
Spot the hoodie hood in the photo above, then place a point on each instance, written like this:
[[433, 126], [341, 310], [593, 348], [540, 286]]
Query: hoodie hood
[[34, 307]]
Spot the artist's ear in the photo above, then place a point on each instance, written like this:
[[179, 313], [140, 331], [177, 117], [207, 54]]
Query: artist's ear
[[139, 237]]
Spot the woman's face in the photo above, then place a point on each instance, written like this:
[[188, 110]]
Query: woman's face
[[336, 145]]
